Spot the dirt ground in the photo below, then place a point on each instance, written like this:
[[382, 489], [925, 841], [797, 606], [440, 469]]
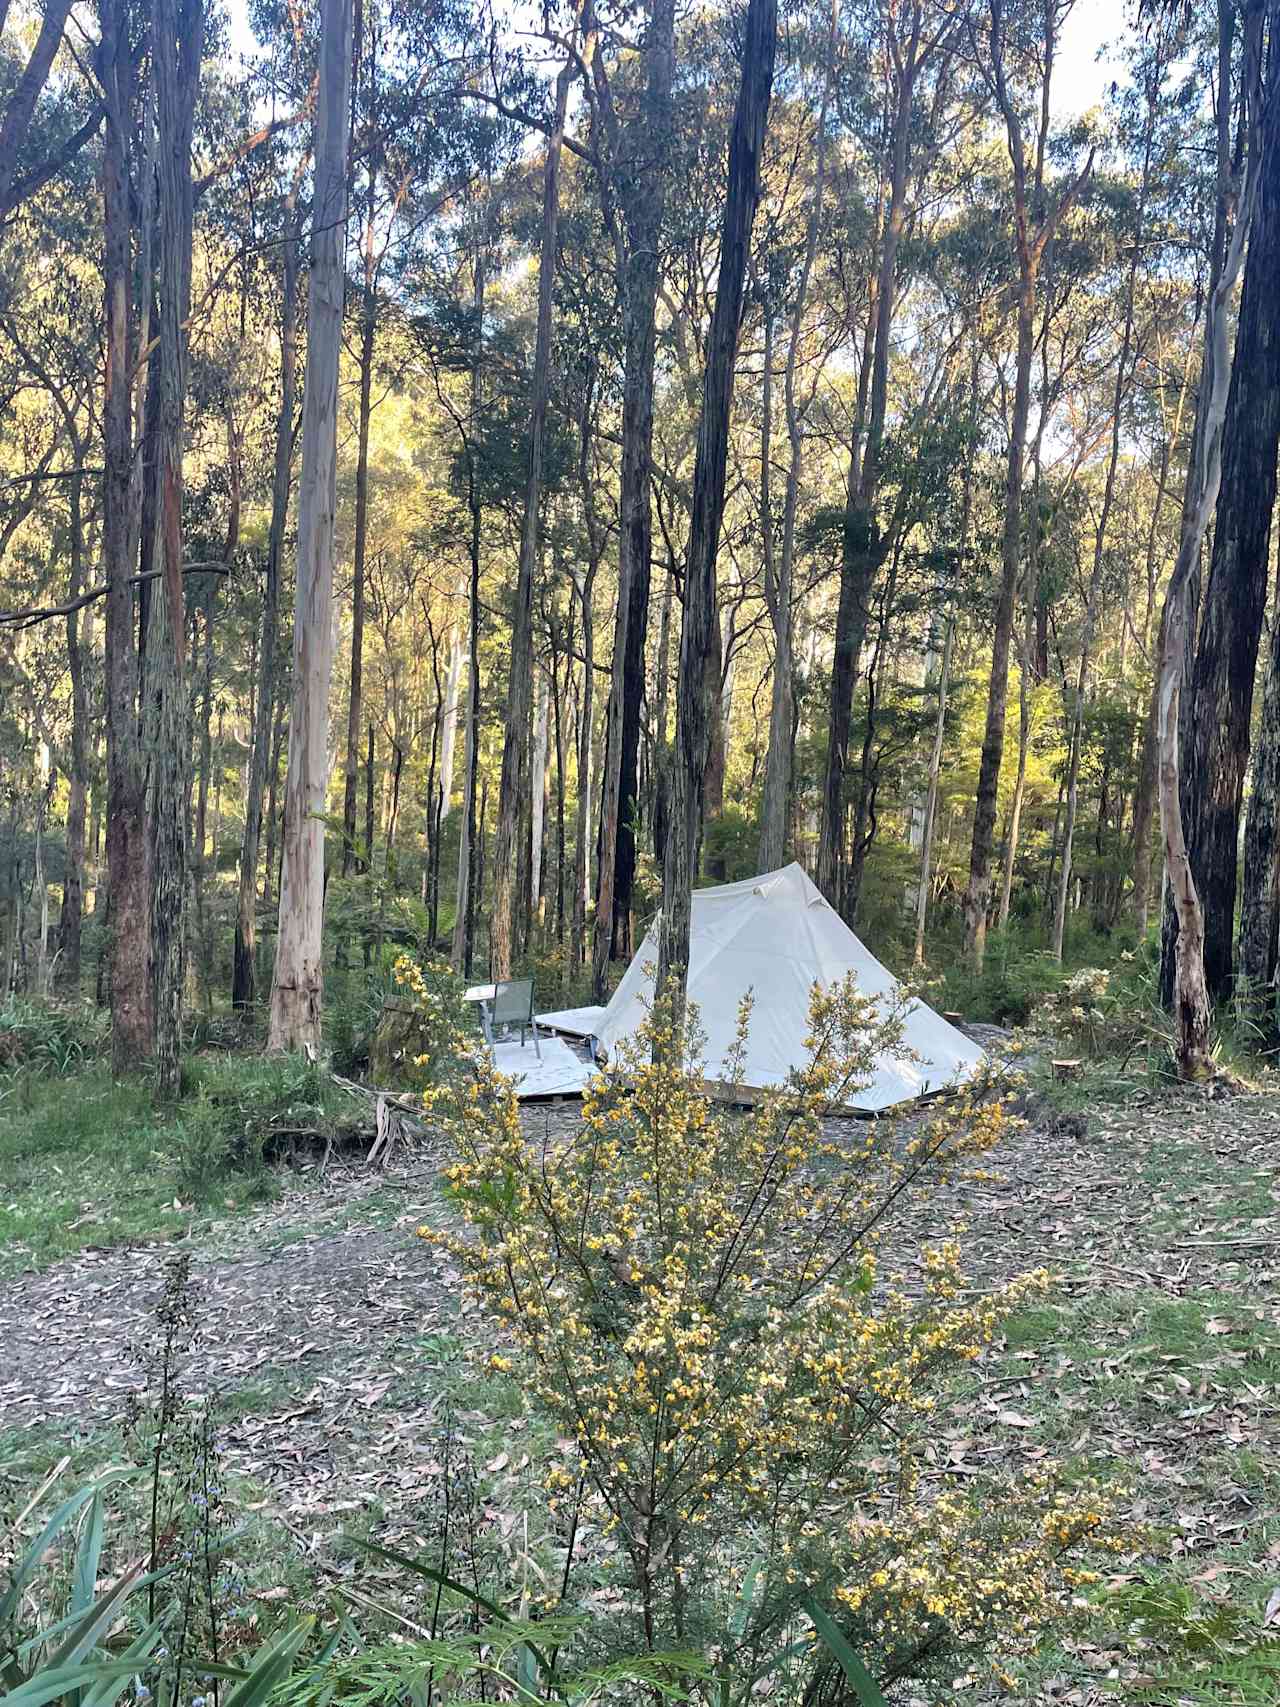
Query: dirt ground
[[326, 1327]]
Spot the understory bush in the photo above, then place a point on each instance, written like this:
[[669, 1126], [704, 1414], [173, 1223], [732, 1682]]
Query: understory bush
[[238, 1109], [1098, 1012], [425, 1033], [1212, 1650], [49, 1036], [1019, 973], [744, 1404]]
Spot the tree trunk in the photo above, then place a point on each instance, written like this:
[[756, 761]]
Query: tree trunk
[[128, 854], [557, 724], [585, 585], [699, 653], [72, 914], [862, 549], [984, 820], [515, 744], [271, 860], [644, 172], [204, 770], [1026, 676], [776, 803], [1216, 754], [1144, 805], [931, 795], [368, 804], [1260, 898], [1190, 995], [297, 985], [351, 858], [21, 104], [40, 884], [178, 43], [538, 796], [465, 894], [1100, 532], [1027, 193], [244, 969]]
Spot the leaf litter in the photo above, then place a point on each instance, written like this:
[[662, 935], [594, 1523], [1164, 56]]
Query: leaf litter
[[333, 1338]]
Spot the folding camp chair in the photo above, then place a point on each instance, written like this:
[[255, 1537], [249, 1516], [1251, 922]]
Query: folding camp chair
[[513, 1005]]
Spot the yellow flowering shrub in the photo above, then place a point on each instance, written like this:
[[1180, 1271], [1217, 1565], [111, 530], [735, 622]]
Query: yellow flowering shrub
[[693, 1291], [432, 1042]]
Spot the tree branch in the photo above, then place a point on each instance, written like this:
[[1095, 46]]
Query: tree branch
[[20, 619]]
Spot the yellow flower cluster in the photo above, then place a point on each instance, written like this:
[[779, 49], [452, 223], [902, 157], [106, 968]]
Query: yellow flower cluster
[[693, 1293], [442, 1045]]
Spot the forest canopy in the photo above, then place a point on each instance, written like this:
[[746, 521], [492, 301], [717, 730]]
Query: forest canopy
[[470, 478]]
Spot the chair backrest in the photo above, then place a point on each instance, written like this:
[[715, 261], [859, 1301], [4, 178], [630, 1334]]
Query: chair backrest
[[513, 1002]]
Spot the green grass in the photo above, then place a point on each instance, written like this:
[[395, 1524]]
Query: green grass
[[83, 1161], [88, 1160]]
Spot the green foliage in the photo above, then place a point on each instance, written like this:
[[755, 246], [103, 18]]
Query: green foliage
[[237, 1108], [690, 1293], [502, 1659], [49, 1037], [1098, 1013], [64, 1640], [59, 1636], [84, 1159], [731, 843], [1019, 972], [426, 1032], [1215, 1650]]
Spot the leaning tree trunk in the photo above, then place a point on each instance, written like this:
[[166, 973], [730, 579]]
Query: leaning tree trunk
[[699, 651], [15, 124], [515, 767], [1216, 755], [244, 966], [645, 172], [297, 985]]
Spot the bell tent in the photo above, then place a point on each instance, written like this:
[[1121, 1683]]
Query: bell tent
[[777, 936]]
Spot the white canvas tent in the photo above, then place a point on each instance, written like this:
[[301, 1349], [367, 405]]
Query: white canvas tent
[[776, 936]]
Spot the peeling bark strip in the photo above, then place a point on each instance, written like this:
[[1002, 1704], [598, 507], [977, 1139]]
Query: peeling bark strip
[[700, 629], [297, 985]]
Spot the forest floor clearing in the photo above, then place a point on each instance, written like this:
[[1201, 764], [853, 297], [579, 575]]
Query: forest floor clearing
[[340, 1351]]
